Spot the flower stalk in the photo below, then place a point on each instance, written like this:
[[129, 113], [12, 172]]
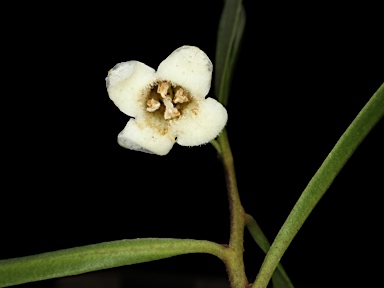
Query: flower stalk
[[235, 263]]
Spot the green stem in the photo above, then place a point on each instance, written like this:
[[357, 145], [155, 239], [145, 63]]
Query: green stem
[[234, 263], [371, 113]]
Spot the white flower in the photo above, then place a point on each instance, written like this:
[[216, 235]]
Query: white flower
[[167, 105]]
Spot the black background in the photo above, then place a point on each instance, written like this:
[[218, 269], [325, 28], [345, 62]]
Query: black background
[[303, 74]]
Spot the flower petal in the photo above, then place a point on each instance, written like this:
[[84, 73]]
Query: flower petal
[[200, 128], [126, 83], [140, 137], [188, 67]]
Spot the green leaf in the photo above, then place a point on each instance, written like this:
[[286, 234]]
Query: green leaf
[[231, 27], [280, 278], [371, 113], [94, 257]]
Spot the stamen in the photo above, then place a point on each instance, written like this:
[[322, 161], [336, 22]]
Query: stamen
[[170, 97], [170, 111], [153, 105], [180, 97], [163, 88]]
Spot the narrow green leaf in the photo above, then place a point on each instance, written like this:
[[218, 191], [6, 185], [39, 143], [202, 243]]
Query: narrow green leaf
[[231, 27], [371, 113], [280, 278], [94, 257], [235, 54]]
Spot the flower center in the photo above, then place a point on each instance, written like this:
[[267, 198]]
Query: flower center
[[168, 99]]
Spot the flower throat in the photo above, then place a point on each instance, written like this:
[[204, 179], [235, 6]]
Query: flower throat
[[167, 99]]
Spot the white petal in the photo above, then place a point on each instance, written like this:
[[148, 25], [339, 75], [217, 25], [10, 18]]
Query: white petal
[[140, 137], [210, 119], [126, 83], [188, 67]]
